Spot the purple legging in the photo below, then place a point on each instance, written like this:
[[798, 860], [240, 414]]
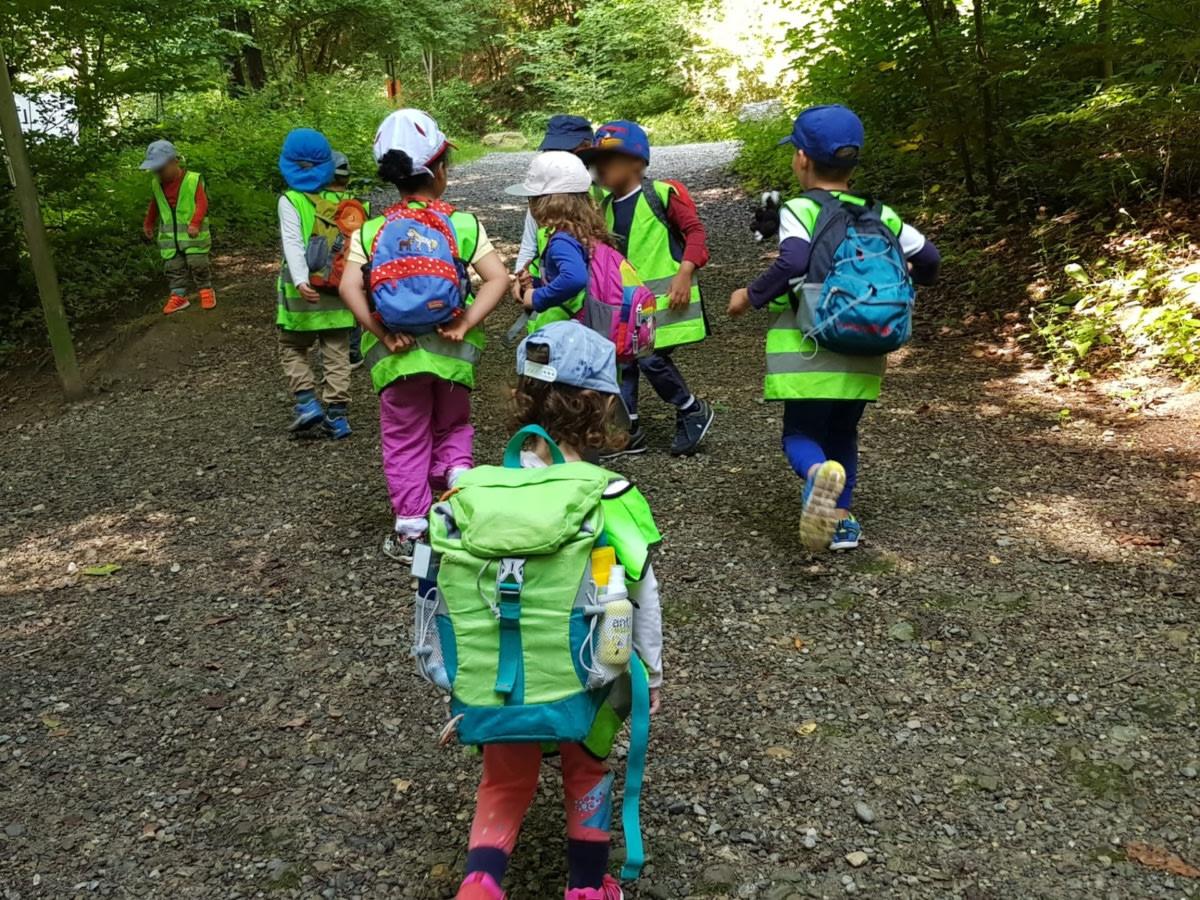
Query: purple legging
[[817, 430]]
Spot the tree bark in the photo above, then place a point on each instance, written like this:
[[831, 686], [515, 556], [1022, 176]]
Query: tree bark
[[987, 106], [964, 151], [252, 57], [1104, 36]]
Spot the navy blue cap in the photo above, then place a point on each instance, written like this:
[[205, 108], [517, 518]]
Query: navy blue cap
[[567, 133], [621, 136], [821, 131]]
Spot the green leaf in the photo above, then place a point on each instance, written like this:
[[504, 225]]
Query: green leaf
[[104, 570], [1076, 272]]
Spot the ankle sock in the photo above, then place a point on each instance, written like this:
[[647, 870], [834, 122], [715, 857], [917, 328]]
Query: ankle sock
[[305, 396], [690, 407], [587, 863], [336, 411], [491, 860]]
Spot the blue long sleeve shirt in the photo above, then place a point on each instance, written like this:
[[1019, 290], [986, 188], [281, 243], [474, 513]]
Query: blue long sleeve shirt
[[564, 272]]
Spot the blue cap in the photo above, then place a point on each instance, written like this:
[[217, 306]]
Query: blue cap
[[821, 131], [573, 354], [567, 133], [621, 136], [158, 155], [306, 160]]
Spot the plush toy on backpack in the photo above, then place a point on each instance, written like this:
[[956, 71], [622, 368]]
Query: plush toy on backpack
[[526, 611], [864, 303], [417, 278], [333, 224]]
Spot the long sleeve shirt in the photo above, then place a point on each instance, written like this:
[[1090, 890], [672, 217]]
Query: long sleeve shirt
[[681, 215], [529, 248], [291, 236], [171, 192], [564, 272], [795, 251]]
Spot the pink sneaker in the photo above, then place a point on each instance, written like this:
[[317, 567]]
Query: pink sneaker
[[479, 886], [610, 890]]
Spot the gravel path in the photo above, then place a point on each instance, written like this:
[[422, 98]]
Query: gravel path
[[989, 700]]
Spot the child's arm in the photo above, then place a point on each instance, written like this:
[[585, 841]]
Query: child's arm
[[792, 262], [528, 244], [291, 235], [571, 274], [353, 291], [924, 261], [684, 218], [201, 210], [490, 267], [151, 219], [647, 630]]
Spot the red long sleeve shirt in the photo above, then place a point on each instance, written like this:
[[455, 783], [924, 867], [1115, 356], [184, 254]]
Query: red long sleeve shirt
[[171, 191]]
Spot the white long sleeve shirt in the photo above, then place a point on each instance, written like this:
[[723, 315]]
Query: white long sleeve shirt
[[291, 235], [528, 243]]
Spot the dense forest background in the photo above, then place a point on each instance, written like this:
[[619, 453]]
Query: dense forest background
[[1060, 135]]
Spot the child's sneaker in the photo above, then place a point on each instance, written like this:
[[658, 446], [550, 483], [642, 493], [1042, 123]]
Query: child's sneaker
[[208, 298], [307, 413], [610, 890], [175, 304], [336, 425], [399, 547], [635, 446], [479, 886], [690, 428], [818, 513], [847, 534]]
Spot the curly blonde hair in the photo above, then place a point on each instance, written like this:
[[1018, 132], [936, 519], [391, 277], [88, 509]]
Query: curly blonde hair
[[576, 214]]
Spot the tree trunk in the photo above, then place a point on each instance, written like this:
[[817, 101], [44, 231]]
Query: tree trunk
[[233, 61], [964, 152], [1104, 36], [427, 58], [987, 107], [252, 57]]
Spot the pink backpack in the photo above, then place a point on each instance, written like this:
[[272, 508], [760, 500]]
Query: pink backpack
[[618, 305]]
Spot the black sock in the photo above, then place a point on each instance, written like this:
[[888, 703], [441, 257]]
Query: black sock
[[491, 860], [336, 410], [587, 863]]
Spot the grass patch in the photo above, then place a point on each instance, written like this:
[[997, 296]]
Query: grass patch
[[1103, 780]]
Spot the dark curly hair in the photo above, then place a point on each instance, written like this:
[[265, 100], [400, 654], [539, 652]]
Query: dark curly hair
[[575, 417], [396, 167]]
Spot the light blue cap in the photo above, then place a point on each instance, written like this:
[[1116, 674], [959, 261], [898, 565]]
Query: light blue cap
[[576, 356], [158, 155]]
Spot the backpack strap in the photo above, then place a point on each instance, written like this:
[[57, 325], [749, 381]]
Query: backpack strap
[[510, 581], [635, 770], [512, 453]]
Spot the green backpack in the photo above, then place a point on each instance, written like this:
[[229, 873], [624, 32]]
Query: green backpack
[[507, 613]]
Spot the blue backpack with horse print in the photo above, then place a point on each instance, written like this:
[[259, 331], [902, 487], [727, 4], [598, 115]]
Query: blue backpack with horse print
[[860, 297], [418, 281]]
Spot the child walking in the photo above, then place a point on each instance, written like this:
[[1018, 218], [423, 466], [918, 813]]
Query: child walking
[[337, 191], [558, 187], [568, 387], [307, 317], [178, 214], [569, 134], [424, 380], [824, 393], [660, 232]]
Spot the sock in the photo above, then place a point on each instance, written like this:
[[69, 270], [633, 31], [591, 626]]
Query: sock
[[491, 860], [336, 411], [633, 423], [690, 406], [587, 863], [305, 396], [411, 527]]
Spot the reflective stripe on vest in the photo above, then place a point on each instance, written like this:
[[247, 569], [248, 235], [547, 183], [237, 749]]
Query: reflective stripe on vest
[[797, 369], [649, 249], [293, 312], [433, 354], [560, 313], [173, 224]]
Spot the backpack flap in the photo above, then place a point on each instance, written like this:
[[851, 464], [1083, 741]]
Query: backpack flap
[[416, 277]]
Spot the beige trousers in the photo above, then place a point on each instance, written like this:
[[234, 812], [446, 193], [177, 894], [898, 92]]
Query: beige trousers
[[295, 350]]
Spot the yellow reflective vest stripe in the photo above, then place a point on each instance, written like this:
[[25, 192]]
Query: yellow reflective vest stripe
[[173, 224], [433, 354], [649, 249]]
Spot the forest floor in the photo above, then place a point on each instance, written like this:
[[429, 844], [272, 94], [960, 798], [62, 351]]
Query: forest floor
[[1004, 679]]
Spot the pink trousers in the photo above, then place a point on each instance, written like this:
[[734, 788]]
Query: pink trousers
[[425, 430], [510, 779]]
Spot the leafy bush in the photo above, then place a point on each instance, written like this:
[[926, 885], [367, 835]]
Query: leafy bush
[[761, 163], [691, 124]]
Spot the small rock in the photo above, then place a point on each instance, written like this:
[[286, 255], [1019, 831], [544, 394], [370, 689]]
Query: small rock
[[721, 876], [902, 631], [864, 812], [16, 829], [1188, 771], [857, 859], [810, 839], [1178, 637]]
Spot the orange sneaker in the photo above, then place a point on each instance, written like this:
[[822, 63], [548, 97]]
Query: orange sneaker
[[208, 298], [175, 304]]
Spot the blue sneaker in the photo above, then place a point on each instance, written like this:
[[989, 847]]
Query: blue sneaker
[[818, 511], [307, 413], [336, 425], [847, 534]]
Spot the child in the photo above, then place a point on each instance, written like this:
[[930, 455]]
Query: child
[[304, 315], [572, 134], [568, 387], [824, 393], [558, 186], [178, 211], [660, 232], [424, 381], [337, 191]]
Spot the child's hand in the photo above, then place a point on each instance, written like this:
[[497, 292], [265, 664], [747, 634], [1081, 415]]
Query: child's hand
[[739, 303], [193, 230], [455, 333], [398, 343], [680, 293], [655, 700], [149, 233], [525, 280], [515, 289], [307, 292]]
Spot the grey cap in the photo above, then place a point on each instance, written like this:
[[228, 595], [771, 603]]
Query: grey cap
[[575, 355], [158, 155], [341, 163]]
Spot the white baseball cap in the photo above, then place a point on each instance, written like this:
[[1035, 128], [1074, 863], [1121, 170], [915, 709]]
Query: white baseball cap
[[415, 133], [553, 172]]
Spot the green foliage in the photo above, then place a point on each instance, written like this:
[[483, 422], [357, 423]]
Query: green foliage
[[761, 163]]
